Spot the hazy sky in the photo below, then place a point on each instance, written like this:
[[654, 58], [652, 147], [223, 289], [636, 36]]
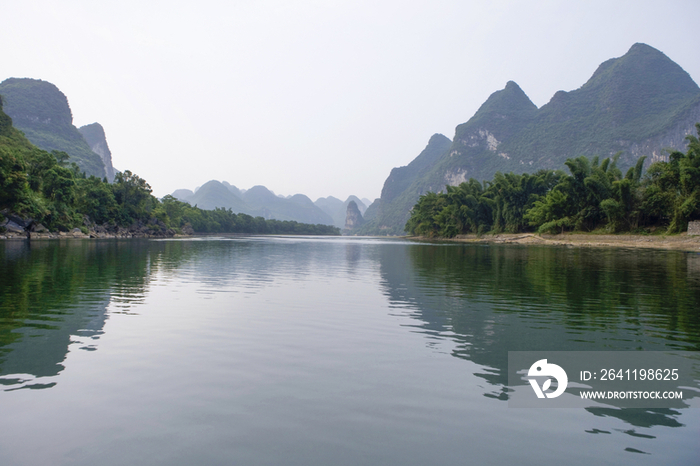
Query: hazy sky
[[314, 97]]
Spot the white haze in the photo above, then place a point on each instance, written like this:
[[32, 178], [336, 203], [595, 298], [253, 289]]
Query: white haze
[[314, 97]]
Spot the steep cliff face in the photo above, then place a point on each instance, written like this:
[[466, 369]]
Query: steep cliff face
[[5, 121], [640, 104], [479, 145], [656, 147], [402, 177], [353, 218], [337, 209], [42, 113], [94, 135], [401, 190]]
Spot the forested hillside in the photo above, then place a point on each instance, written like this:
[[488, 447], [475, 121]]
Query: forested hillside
[[47, 191], [41, 111], [640, 104], [594, 195]]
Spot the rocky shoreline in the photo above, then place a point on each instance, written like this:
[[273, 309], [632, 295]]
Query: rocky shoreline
[[682, 242], [16, 227]]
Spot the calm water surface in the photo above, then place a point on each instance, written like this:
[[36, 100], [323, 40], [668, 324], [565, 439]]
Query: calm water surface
[[326, 351]]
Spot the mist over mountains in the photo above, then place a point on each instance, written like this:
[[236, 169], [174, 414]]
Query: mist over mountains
[[41, 111], [259, 201], [642, 103]]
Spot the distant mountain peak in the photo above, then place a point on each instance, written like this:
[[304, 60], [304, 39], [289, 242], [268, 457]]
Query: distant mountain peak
[[438, 138], [259, 193], [353, 217], [638, 104], [504, 112], [643, 48], [232, 188], [511, 99], [257, 201], [47, 104], [513, 87], [646, 69], [212, 194]]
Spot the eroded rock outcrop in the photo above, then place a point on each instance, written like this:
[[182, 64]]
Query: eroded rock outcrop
[[353, 218], [94, 135]]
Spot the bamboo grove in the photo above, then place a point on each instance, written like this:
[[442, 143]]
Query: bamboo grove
[[593, 196]]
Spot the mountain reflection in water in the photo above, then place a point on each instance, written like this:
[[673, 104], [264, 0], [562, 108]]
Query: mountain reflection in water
[[497, 298], [473, 302]]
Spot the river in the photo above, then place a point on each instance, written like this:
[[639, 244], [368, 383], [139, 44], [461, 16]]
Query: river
[[328, 351]]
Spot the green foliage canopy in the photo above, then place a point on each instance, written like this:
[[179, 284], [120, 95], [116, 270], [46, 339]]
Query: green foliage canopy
[[594, 195]]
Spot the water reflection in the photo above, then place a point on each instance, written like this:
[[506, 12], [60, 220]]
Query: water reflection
[[305, 332], [248, 263], [488, 300], [54, 295]]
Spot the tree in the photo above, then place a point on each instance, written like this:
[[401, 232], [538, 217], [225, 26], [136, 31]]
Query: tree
[[95, 199], [424, 217], [13, 178], [133, 196], [672, 191]]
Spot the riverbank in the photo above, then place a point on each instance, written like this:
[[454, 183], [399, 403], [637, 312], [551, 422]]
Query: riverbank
[[92, 234], [681, 242], [16, 227]]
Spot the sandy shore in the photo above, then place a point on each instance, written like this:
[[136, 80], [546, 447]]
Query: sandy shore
[[681, 242]]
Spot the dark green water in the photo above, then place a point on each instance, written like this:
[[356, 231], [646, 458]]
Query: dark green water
[[320, 351]]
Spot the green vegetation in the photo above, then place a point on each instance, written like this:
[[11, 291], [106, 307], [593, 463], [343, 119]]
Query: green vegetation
[[41, 111], [401, 190], [594, 196], [222, 220], [636, 105], [672, 192], [47, 188]]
